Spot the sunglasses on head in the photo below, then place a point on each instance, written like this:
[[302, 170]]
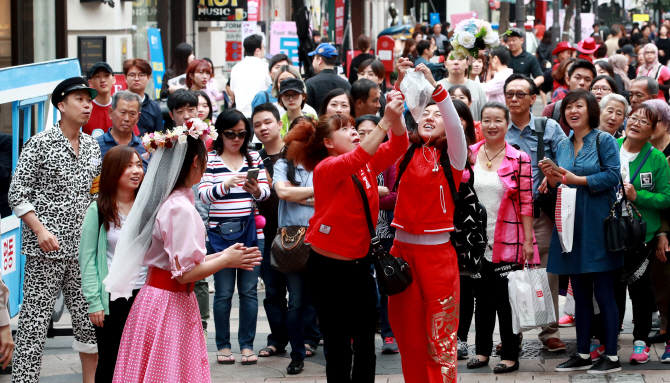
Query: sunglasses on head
[[232, 135]]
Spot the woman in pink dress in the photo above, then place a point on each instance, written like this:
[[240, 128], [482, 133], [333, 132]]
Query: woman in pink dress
[[163, 338]]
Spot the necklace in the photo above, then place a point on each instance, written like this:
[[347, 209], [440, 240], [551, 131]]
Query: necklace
[[488, 163]]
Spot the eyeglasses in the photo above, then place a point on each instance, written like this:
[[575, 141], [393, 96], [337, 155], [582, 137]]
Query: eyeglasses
[[601, 89], [519, 95], [141, 76], [633, 120], [232, 135], [291, 96]]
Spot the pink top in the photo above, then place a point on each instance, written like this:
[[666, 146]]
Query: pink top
[[178, 234]]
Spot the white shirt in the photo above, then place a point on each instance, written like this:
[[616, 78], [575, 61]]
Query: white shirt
[[626, 158], [247, 78], [494, 87], [112, 238]]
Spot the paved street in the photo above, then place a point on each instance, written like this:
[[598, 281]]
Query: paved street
[[61, 363]]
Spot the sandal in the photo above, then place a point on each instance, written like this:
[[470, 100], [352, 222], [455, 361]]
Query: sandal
[[270, 352], [248, 362], [230, 360], [310, 351]]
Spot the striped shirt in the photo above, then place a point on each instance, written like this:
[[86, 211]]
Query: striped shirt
[[235, 202]]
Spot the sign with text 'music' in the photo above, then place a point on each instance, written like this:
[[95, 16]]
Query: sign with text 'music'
[[221, 10]]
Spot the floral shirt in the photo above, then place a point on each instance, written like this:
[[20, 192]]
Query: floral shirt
[[55, 183]]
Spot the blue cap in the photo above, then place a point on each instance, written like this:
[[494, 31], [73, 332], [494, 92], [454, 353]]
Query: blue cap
[[325, 50]]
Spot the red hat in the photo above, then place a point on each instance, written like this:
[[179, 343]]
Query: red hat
[[588, 45], [563, 46]]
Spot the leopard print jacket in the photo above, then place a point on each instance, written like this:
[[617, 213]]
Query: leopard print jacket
[[55, 183]]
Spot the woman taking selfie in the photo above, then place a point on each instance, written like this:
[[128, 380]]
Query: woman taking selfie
[[338, 269], [163, 338], [423, 220], [120, 179], [232, 195]]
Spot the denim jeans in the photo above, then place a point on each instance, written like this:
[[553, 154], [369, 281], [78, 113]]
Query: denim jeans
[[224, 286], [293, 321], [583, 288]]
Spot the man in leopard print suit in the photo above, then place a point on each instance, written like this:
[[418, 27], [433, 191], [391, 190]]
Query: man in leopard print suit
[[50, 191]]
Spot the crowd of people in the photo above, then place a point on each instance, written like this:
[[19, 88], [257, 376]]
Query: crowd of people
[[128, 214]]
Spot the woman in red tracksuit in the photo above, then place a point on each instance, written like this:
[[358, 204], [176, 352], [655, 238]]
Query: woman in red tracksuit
[[424, 317], [338, 269]]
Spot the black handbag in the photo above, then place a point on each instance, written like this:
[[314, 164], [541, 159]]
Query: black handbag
[[394, 274], [289, 252], [624, 232]]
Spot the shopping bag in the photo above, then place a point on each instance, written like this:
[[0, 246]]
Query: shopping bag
[[565, 216], [530, 299]]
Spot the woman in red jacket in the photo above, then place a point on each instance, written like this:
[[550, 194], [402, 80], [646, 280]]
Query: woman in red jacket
[[423, 220], [338, 271]]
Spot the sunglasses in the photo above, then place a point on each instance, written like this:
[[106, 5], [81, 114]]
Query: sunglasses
[[232, 135]]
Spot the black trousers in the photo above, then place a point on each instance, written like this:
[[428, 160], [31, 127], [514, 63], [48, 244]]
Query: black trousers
[[109, 337], [467, 307], [344, 294], [492, 295], [641, 295]]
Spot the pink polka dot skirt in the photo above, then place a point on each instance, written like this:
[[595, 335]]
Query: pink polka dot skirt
[[163, 340]]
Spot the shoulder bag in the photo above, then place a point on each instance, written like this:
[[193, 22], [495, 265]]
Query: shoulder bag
[[289, 252], [625, 232], [394, 274], [545, 202]]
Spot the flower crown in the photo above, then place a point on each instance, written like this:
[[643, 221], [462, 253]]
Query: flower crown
[[193, 127]]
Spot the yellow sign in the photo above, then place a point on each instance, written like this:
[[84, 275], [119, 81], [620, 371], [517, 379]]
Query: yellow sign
[[640, 17]]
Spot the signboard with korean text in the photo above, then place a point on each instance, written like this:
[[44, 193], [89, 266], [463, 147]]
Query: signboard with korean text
[[339, 21], [233, 44], [284, 39], [90, 50], [156, 58], [221, 10]]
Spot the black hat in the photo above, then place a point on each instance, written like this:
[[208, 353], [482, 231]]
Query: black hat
[[97, 66], [516, 32], [627, 50], [69, 85], [291, 84]]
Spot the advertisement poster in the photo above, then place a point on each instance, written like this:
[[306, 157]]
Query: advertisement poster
[[234, 50], [284, 39], [156, 58], [221, 10], [339, 21]]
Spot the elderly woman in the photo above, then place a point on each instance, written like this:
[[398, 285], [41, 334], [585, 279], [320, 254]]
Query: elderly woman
[[603, 85], [660, 139], [646, 178], [613, 111], [649, 66], [593, 173]]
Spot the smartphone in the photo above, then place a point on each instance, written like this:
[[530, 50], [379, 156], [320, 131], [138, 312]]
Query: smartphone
[[550, 162], [411, 58], [253, 174]]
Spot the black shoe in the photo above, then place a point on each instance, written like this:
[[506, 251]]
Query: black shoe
[[476, 363], [295, 367], [656, 325], [575, 363], [659, 338], [605, 365], [503, 368]]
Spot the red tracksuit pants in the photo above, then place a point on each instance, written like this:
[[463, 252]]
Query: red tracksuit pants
[[424, 317]]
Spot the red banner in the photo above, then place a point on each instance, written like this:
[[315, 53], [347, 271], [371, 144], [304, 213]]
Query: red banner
[[233, 51], [339, 21]]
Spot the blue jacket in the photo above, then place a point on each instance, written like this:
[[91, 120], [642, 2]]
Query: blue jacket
[[106, 142], [593, 205]]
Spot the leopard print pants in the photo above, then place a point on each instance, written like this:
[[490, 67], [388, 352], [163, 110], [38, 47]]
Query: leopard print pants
[[44, 277]]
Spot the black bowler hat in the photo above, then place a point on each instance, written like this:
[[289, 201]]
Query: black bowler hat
[[291, 84], [97, 66], [69, 85]]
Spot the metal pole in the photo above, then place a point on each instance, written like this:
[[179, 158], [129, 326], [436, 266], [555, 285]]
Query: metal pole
[[520, 14], [578, 21], [556, 26], [595, 12]]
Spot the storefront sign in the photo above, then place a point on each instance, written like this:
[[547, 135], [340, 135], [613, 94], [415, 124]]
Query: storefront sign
[[90, 50], [221, 10], [638, 17], [156, 58], [284, 39], [339, 21], [233, 44], [253, 6]]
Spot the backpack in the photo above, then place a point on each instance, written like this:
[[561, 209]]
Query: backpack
[[469, 237]]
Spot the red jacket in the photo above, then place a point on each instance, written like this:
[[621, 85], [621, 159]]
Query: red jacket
[[339, 224]]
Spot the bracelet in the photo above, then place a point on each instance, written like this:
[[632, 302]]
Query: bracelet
[[382, 128], [564, 182]]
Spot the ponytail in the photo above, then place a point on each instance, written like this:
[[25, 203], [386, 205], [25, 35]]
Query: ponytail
[[305, 141]]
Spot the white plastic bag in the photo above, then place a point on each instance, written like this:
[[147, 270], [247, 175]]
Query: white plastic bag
[[530, 298], [565, 216], [417, 91]]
